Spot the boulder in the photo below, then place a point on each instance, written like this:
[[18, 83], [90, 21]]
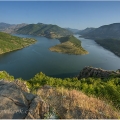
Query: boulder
[[17, 103]]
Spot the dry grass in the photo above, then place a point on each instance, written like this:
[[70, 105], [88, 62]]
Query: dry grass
[[69, 48], [72, 104]]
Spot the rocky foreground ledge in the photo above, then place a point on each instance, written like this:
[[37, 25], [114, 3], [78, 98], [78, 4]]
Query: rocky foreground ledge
[[17, 103], [96, 72]]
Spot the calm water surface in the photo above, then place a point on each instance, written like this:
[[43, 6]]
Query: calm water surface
[[25, 63]]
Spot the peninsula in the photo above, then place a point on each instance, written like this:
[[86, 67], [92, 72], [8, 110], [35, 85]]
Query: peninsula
[[10, 43], [69, 45]]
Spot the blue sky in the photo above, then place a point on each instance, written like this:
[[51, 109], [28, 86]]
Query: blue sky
[[73, 14]]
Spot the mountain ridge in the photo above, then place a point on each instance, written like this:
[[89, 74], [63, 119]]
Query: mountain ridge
[[5, 25], [10, 28], [73, 30], [108, 36], [47, 30], [85, 31], [105, 31]]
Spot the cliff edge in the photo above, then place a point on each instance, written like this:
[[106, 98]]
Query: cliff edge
[[96, 72]]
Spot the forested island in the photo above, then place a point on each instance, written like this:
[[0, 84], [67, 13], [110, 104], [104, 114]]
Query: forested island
[[69, 45], [10, 43]]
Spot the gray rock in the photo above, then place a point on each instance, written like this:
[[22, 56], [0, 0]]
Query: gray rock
[[37, 109], [22, 85], [96, 72], [9, 110], [16, 103]]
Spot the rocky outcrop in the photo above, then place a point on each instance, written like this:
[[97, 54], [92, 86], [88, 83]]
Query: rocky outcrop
[[17, 103], [96, 72]]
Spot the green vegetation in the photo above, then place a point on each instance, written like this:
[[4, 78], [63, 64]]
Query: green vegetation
[[6, 76], [10, 43], [69, 45], [69, 91], [107, 89], [72, 39], [111, 44], [47, 30]]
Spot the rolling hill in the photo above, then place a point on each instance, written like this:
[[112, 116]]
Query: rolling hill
[[47, 30], [10, 43], [85, 31], [105, 31]]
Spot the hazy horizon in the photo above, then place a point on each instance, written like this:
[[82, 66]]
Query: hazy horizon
[[66, 14]]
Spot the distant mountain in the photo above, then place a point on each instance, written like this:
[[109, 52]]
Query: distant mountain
[[105, 31], [107, 36], [85, 31], [47, 30], [10, 28], [73, 30], [3, 26]]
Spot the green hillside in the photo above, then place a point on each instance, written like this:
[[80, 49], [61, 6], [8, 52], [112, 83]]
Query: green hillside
[[111, 44], [10, 43], [107, 36], [69, 45], [104, 32], [47, 30], [72, 39]]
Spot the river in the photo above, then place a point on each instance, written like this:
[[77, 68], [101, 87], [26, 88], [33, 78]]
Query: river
[[27, 62]]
